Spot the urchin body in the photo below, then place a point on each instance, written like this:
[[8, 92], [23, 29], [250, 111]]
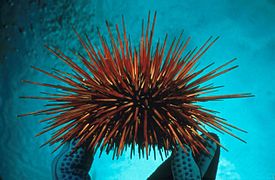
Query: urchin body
[[140, 96]]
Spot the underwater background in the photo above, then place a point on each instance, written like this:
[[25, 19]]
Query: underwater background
[[246, 29]]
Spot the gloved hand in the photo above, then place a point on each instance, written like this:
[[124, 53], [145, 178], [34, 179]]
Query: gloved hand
[[72, 166], [180, 166]]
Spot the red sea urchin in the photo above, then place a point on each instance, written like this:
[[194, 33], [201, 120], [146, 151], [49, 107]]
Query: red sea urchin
[[128, 96]]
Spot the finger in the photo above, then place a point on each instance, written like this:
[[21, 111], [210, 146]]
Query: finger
[[72, 164], [204, 160], [184, 166]]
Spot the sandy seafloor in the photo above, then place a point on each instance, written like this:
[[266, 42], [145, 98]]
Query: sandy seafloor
[[247, 30]]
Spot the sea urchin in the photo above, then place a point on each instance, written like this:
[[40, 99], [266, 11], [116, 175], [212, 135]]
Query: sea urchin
[[128, 96]]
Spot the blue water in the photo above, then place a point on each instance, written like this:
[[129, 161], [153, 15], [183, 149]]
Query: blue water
[[247, 32]]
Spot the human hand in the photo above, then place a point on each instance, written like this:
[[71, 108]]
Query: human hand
[[179, 166], [182, 166], [72, 166]]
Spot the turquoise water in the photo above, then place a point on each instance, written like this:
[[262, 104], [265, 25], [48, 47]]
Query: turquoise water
[[247, 32]]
